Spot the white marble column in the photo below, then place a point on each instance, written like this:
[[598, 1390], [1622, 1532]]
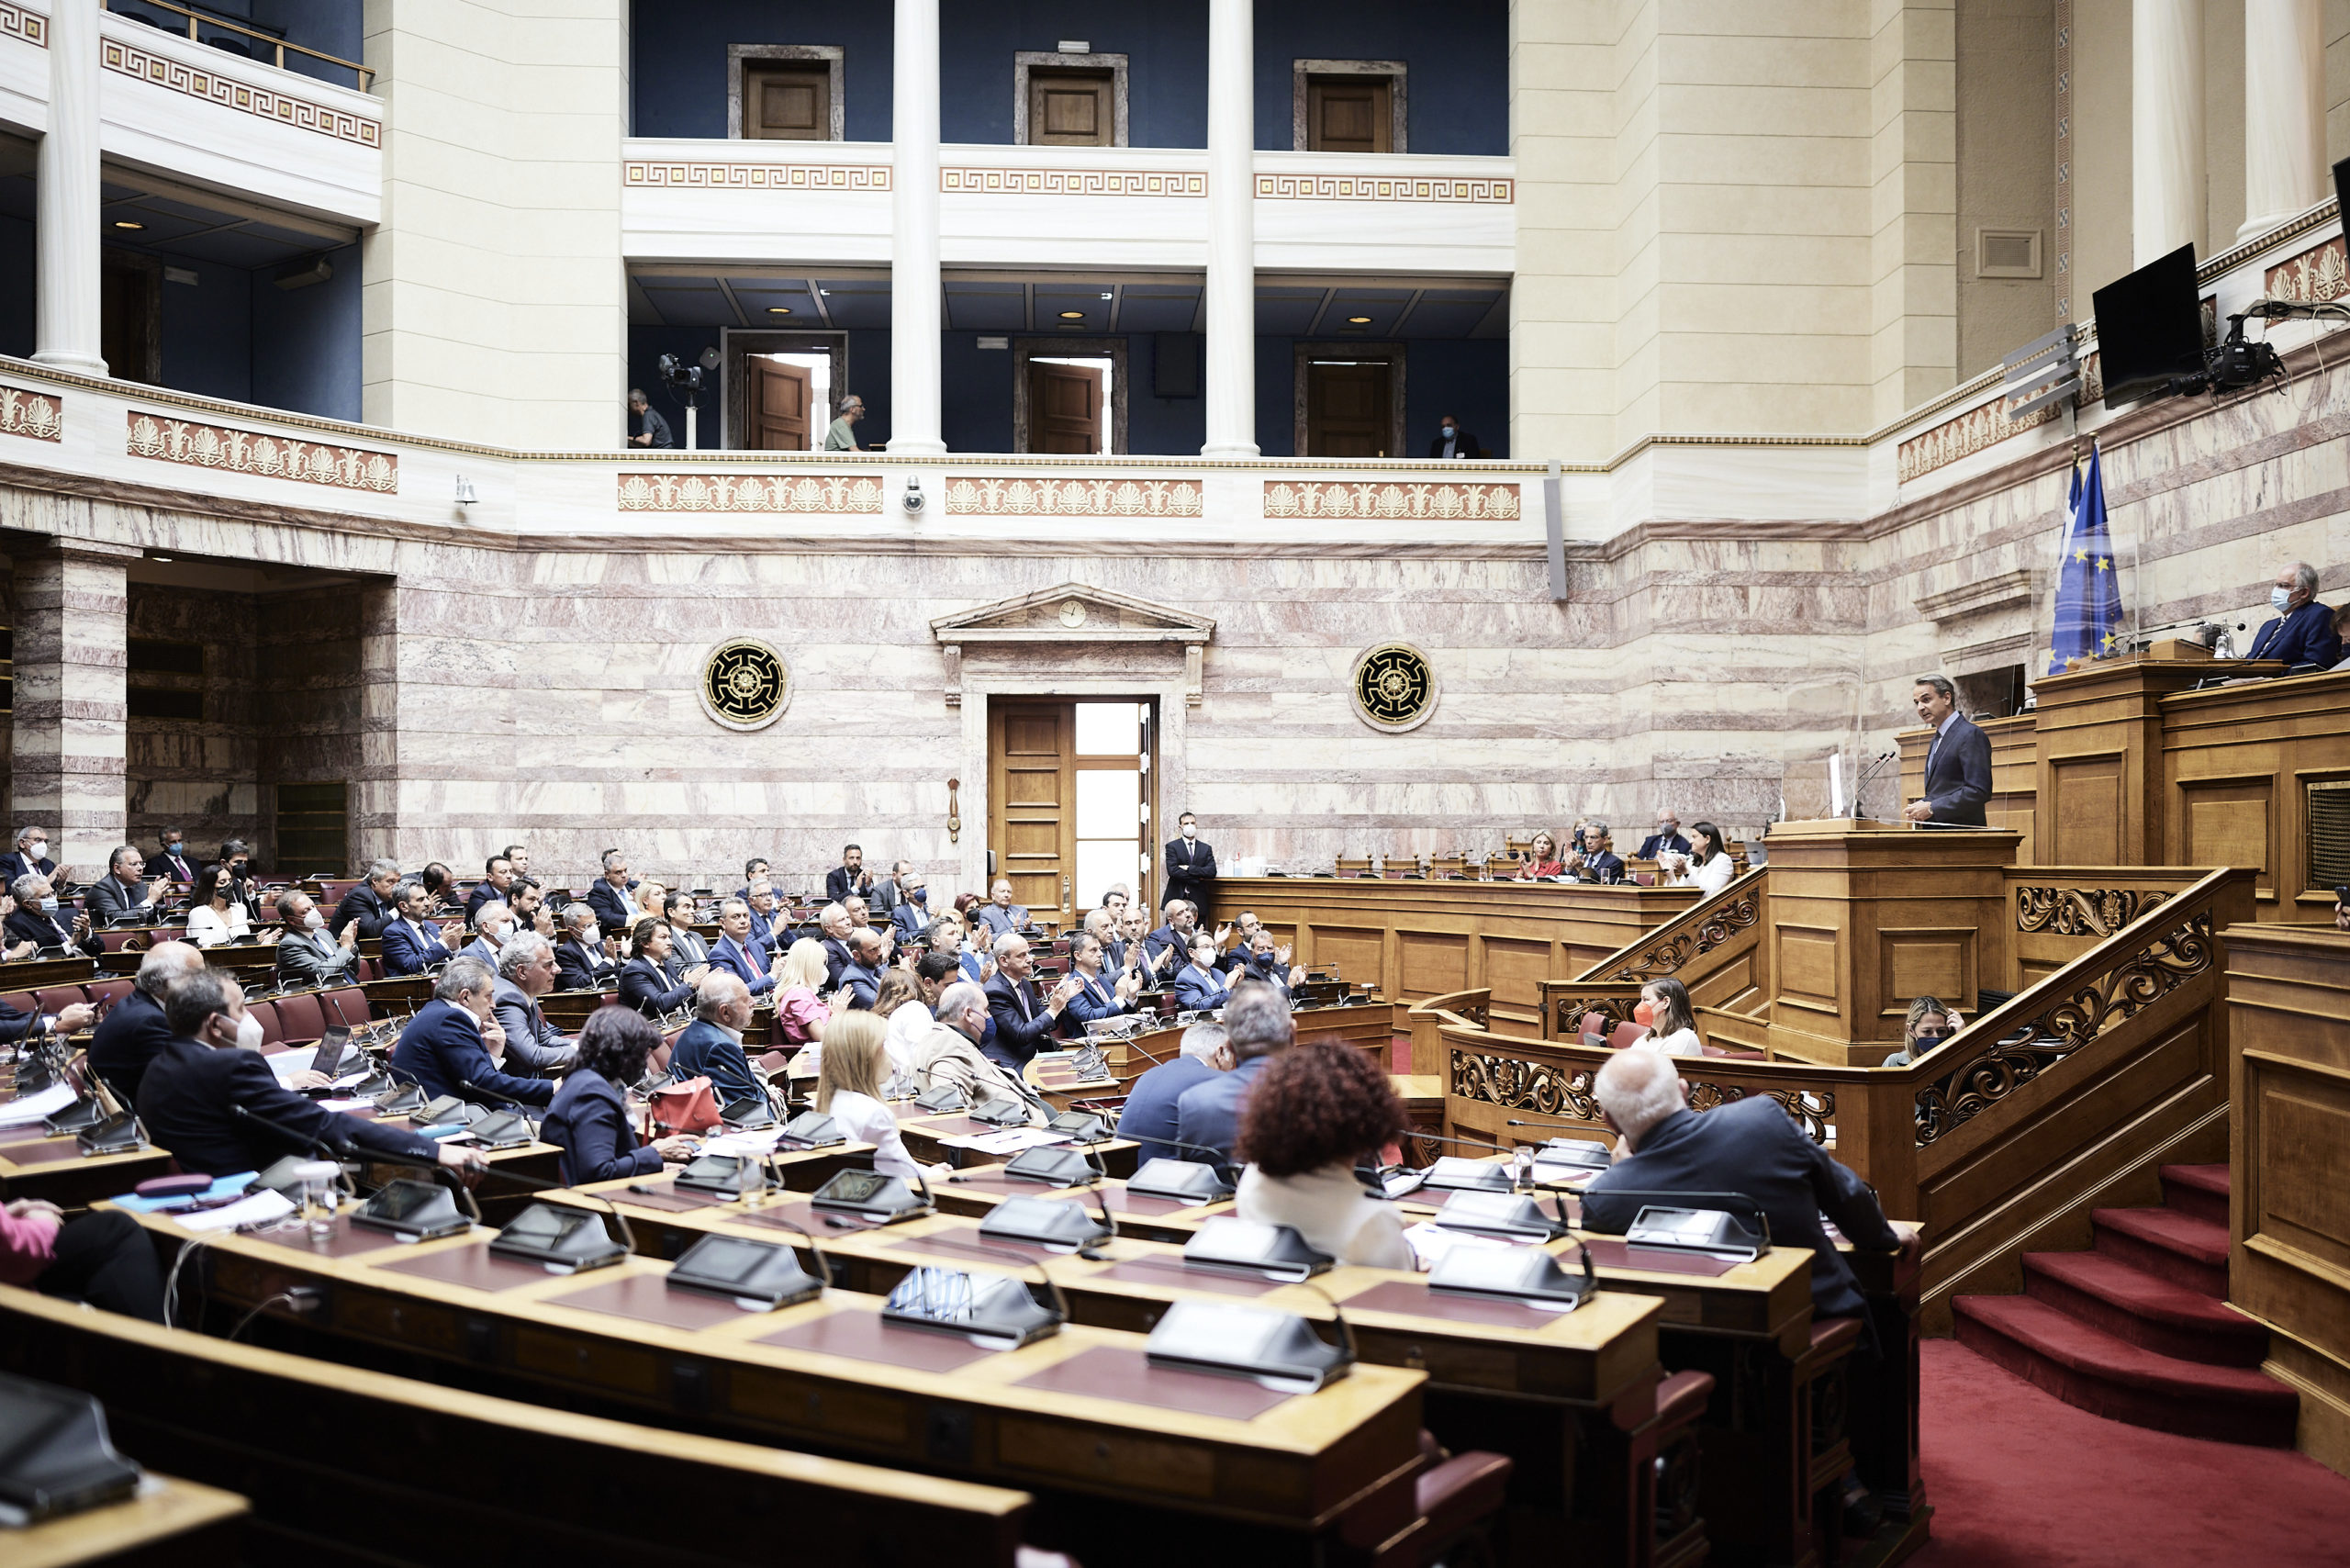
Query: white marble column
[[914, 371], [2284, 111], [1231, 367], [66, 332], [2166, 127]]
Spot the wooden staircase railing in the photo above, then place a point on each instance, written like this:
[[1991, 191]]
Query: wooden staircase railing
[[1715, 948]]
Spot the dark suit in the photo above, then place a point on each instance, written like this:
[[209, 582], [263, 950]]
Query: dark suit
[[645, 986], [863, 986], [313, 958], [705, 1050], [840, 884], [108, 901], [484, 893], [1191, 867], [1197, 992], [128, 1038], [1096, 998], [581, 969], [1164, 938], [837, 961], [767, 928], [1149, 1113], [751, 966], [1602, 868], [1022, 1026], [362, 904], [1656, 844], [13, 864], [614, 910], [1209, 1113], [589, 1121], [440, 1049], [189, 1095], [180, 870], [1000, 920], [2304, 637], [40, 925], [16, 1026], [910, 920], [1958, 773], [1754, 1147], [407, 950], [1463, 444]]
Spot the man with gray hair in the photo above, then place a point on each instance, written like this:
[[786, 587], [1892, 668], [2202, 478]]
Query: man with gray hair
[[1149, 1116], [711, 1045], [1600, 862], [134, 1031], [525, 973], [370, 904], [308, 955], [586, 959], [34, 921], [31, 854], [1026, 1021], [2301, 631], [453, 1044], [123, 894], [493, 923], [1256, 1025], [1958, 759], [949, 1055]]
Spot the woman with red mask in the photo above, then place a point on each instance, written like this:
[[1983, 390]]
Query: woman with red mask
[[1672, 1026]]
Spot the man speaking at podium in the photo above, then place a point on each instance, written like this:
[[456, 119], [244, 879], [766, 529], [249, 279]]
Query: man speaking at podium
[[1958, 763]]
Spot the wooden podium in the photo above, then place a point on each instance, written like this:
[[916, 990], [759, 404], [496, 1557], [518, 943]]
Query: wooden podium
[[1864, 916]]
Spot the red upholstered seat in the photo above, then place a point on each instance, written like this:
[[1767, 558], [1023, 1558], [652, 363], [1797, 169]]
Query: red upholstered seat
[[108, 991], [1832, 1336], [1681, 1398], [58, 998], [345, 1004], [1593, 1023], [1456, 1497], [300, 1018], [267, 1013], [22, 1000], [1625, 1034]]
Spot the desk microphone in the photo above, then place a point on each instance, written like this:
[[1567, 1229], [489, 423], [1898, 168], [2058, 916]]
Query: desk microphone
[[507, 1100], [1222, 1160], [1713, 1199]]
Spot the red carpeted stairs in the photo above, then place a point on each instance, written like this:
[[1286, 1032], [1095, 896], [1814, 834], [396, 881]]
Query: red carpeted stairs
[[2137, 1329]]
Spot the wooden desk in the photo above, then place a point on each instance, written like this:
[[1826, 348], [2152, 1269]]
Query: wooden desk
[[1308, 1473], [33, 1165], [32, 974], [169, 1521], [1418, 939]]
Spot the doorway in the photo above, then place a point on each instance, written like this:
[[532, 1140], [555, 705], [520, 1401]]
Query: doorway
[[1346, 407], [1071, 802], [790, 401], [1067, 399]]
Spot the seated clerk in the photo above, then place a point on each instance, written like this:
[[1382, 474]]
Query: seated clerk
[[2301, 631], [1257, 1027], [711, 1045], [1313, 1113], [525, 973], [496, 886], [1027, 1018], [106, 1260], [586, 959], [1709, 865], [35, 920], [1101, 993], [1149, 1113], [411, 942], [454, 1040], [736, 954], [588, 1120], [610, 896], [1200, 986], [1599, 864], [1542, 856], [134, 1031], [213, 1068], [645, 980], [949, 1057], [369, 903], [1748, 1146]]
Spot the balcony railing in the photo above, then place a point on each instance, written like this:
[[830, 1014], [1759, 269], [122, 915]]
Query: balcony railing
[[199, 23]]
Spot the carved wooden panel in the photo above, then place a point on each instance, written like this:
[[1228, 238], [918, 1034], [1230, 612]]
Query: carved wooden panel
[[2088, 810]]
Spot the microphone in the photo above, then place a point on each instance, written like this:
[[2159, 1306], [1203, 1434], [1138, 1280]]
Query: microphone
[[1522, 1161], [507, 1100], [1216, 1157], [315, 1145], [1715, 1200]]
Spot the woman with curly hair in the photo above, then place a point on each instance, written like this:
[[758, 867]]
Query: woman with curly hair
[[1312, 1113], [589, 1121]]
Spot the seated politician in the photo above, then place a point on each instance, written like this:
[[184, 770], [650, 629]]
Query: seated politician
[[1268, 960], [525, 973], [949, 1057], [588, 1120], [1148, 1116], [1000, 916], [1600, 864], [216, 915], [1168, 949], [369, 903], [1257, 1027], [1200, 986], [453, 1043], [309, 956], [910, 916], [609, 897], [1665, 840], [737, 953], [868, 957], [1313, 1113], [711, 1045], [38, 919], [496, 886], [645, 979], [212, 1070], [411, 942], [2301, 631], [124, 896], [1101, 993], [135, 1031], [586, 959], [1027, 1018], [1541, 857]]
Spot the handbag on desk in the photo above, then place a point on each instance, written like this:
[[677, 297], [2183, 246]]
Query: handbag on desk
[[687, 1107]]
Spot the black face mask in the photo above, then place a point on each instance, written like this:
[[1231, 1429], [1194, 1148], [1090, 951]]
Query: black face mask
[[1925, 1043]]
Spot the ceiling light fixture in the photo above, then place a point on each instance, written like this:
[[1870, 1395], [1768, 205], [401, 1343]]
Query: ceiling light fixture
[[1072, 315], [1358, 320], [126, 223], [778, 309]]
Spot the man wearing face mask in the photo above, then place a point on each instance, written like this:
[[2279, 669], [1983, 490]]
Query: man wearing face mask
[[212, 1093], [1191, 866], [174, 864], [31, 856], [910, 916], [494, 922], [2303, 631], [309, 957], [38, 919], [453, 1045], [1451, 440]]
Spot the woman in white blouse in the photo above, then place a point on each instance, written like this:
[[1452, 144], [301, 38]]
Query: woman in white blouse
[[1672, 1026], [1711, 867], [848, 1090], [1314, 1111], [216, 914]]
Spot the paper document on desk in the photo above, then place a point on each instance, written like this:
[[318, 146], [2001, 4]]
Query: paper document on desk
[[267, 1204], [753, 1144], [34, 1106], [1011, 1140], [285, 1064]]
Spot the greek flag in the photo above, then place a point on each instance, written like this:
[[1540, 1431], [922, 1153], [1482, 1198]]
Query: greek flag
[[2089, 591]]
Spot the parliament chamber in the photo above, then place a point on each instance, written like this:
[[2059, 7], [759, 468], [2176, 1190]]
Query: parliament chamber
[[1072, 786]]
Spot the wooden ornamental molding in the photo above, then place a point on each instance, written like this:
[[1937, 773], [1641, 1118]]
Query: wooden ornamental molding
[[978, 495], [1479, 189], [651, 174], [1072, 182], [40, 416], [270, 456], [16, 22], [262, 103], [1374, 499], [836, 493], [1073, 613]]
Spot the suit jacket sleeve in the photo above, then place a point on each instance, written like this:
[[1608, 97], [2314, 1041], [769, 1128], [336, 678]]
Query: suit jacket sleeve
[[571, 973], [1021, 1036], [2309, 639], [1842, 1196], [302, 961], [1203, 863], [640, 987], [1966, 782], [252, 1085], [467, 1060], [603, 1147]]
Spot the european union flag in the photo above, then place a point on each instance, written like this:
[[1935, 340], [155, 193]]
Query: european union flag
[[2088, 588]]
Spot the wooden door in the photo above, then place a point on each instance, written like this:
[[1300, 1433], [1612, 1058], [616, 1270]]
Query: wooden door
[[1071, 108], [1350, 113], [1032, 795], [130, 310], [780, 394], [788, 101], [1346, 409], [1064, 408]]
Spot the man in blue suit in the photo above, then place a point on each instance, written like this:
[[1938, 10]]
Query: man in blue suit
[[1025, 1020], [31, 858], [134, 1031], [1101, 993], [862, 978], [1667, 837], [453, 1042], [1600, 864], [1256, 1026], [1150, 1114], [411, 942], [737, 954], [2302, 632], [615, 911], [496, 886], [711, 1045], [768, 926], [1958, 761], [910, 916]]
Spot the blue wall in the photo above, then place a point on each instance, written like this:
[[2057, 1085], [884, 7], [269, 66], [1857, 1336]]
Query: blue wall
[[868, 377], [1459, 75], [306, 342], [207, 330]]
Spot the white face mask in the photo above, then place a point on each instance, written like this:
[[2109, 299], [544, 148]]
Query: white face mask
[[38, 850], [249, 1034], [2278, 599], [1191, 830], [314, 920]]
